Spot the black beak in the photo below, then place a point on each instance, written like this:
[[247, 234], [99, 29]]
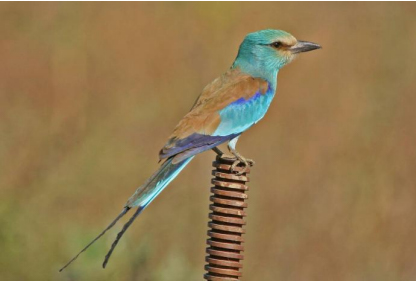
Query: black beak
[[304, 46]]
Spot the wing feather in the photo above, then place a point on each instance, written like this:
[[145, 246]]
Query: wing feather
[[194, 130]]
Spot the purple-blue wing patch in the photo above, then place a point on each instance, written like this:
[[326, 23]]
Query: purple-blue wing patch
[[194, 144]]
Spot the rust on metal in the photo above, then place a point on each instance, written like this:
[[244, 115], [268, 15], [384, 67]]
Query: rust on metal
[[225, 242]]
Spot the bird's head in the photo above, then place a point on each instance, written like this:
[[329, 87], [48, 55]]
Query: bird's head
[[269, 50]]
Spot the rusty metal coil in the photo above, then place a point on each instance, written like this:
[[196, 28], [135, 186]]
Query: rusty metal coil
[[224, 254]]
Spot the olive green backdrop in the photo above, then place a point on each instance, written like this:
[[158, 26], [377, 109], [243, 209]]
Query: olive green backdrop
[[89, 93]]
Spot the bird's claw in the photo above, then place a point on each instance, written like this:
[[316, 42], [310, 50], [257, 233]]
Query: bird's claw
[[246, 162]]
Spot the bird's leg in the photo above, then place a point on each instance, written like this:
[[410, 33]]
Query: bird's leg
[[240, 159], [218, 151]]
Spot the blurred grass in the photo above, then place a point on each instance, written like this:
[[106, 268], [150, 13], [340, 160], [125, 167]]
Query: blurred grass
[[89, 93]]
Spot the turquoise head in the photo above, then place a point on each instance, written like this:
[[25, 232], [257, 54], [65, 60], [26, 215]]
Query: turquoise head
[[264, 52]]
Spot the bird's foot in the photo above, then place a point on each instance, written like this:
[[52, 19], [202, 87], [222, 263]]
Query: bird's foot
[[247, 163]]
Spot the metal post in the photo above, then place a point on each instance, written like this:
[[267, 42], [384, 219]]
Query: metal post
[[224, 254]]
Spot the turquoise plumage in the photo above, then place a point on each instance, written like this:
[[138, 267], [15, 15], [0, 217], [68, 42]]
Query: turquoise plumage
[[227, 107], [242, 114]]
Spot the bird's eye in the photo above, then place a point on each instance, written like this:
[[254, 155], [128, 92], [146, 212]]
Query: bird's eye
[[276, 44]]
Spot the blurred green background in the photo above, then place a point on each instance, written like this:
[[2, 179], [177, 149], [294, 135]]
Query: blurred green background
[[89, 93]]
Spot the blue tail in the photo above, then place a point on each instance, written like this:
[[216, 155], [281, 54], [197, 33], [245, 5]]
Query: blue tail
[[143, 196]]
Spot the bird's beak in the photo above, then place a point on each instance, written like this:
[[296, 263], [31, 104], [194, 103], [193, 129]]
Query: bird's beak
[[304, 46]]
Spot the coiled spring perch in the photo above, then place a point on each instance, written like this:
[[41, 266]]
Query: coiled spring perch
[[224, 254]]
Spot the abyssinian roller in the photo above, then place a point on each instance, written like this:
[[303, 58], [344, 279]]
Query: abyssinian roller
[[226, 108]]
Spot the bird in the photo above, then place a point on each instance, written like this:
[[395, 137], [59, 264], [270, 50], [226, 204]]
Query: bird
[[227, 107]]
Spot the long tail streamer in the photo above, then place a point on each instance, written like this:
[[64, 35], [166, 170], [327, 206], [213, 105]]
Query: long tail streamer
[[123, 212], [141, 198]]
